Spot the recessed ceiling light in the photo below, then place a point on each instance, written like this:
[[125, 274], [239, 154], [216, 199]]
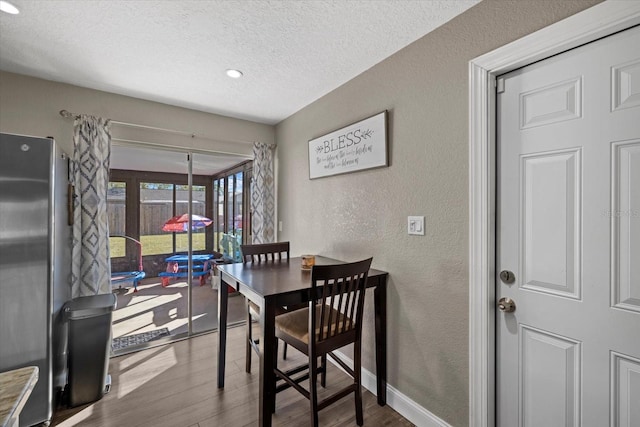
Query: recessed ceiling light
[[7, 7], [234, 74]]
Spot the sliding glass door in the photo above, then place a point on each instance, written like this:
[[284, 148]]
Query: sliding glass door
[[149, 204]]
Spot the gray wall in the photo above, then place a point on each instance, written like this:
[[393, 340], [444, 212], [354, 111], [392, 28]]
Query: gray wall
[[425, 89], [30, 106]]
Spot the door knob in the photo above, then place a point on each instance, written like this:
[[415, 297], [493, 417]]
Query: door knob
[[506, 305]]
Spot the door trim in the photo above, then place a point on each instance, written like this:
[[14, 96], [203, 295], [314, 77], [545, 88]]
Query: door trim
[[591, 24]]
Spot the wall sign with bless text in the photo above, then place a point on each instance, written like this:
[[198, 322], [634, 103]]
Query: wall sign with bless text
[[362, 145]]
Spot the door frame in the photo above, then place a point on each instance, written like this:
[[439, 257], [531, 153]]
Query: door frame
[[591, 24]]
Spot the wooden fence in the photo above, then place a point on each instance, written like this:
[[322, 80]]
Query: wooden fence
[[153, 215]]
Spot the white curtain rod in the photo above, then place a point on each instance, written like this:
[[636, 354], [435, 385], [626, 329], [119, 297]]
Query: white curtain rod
[[66, 114]]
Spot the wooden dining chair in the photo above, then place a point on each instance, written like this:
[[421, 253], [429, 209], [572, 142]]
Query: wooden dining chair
[[332, 320], [261, 253]]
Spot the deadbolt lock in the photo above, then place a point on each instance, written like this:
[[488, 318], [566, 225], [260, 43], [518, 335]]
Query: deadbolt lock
[[507, 277], [506, 305]]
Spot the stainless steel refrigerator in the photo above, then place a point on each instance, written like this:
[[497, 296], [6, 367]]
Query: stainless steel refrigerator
[[35, 264]]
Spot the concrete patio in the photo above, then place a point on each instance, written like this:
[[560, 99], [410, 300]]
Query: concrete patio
[[154, 307]]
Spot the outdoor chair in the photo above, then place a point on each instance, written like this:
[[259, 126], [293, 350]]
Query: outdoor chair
[[336, 321]]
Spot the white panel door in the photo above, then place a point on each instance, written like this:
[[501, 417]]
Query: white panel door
[[568, 233]]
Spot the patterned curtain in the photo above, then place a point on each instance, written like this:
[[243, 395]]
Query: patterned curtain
[[91, 267], [263, 194]]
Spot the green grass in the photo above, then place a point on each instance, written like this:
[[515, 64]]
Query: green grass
[[159, 244]]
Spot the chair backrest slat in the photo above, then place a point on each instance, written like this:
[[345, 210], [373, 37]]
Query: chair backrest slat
[[341, 308], [352, 295], [264, 252], [341, 301]]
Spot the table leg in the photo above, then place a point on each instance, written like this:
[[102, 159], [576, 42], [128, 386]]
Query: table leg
[[223, 298], [380, 306], [268, 349]]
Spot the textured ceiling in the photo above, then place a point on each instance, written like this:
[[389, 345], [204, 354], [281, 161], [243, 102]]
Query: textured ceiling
[[176, 52]]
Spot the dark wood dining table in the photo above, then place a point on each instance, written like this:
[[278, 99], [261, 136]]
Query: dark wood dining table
[[274, 284]]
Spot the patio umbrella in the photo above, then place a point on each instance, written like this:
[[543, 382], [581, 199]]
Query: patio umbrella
[[181, 223]]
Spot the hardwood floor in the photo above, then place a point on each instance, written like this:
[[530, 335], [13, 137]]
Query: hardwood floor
[[174, 385]]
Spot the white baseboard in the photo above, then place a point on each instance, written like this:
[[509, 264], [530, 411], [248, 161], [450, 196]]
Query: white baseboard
[[400, 403]]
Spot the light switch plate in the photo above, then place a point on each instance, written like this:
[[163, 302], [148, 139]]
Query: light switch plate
[[415, 225]]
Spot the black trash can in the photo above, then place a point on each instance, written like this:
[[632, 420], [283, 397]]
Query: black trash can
[[89, 323]]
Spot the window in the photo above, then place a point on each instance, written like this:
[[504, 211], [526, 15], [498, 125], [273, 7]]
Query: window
[[218, 210], [117, 214], [198, 208], [238, 203], [156, 207], [140, 203], [158, 203], [232, 204]]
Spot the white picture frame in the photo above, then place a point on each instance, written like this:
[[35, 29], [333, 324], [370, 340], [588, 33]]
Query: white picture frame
[[358, 146]]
